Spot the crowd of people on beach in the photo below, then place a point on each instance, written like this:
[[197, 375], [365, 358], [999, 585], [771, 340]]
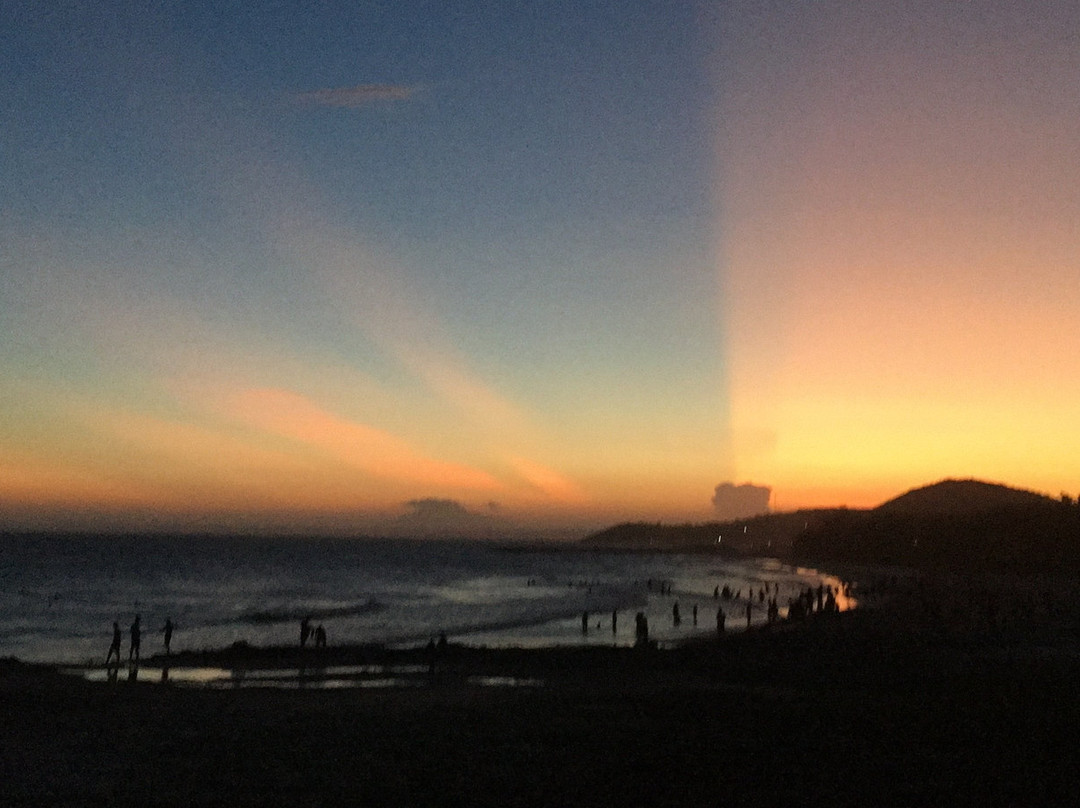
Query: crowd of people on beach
[[317, 634], [135, 644], [112, 658], [808, 601]]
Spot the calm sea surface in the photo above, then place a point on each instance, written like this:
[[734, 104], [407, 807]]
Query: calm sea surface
[[60, 595]]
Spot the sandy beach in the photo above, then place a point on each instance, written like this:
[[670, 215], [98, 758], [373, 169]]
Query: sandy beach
[[875, 706]]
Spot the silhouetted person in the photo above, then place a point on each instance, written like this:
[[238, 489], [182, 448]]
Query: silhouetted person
[[585, 622], [305, 631], [117, 638], [795, 608], [695, 614], [431, 653], [830, 602], [641, 629], [614, 620], [748, 608], [675, 618], [136, 640], [320, 636], [168, 630], [716, 592], [721, 619]]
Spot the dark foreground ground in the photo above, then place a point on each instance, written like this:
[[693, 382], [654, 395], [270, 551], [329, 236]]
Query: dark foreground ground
[[860, 709]]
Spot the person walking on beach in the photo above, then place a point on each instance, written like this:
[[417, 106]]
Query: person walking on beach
[[320, 636], [675, 618], [585, 622], [167, 631], [136, 640], [614, 620], [117, 637], [720, 620]]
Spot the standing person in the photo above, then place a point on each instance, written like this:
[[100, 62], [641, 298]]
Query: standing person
[[168, 630], [136, 640], [749, 606], [641, 630], [117, 637], [675, 618], [614, 620], [305, 631], [720, 620], [320, 636]]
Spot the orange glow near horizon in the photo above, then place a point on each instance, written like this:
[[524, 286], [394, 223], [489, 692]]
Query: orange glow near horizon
[[290, 415], [901, 268]]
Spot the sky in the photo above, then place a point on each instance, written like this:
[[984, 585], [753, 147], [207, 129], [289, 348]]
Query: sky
[[531, 266]]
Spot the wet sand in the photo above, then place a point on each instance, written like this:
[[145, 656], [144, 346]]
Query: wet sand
[[878, 707]]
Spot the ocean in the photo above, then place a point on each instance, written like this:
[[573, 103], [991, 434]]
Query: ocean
[[59, 595]]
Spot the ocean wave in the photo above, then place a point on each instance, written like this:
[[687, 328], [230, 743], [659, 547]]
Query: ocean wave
[[528, 614], [294, 614]]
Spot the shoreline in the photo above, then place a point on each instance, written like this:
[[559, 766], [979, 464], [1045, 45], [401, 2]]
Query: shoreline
[[958, 610], [914, 617], [242, 654], [369, 607]]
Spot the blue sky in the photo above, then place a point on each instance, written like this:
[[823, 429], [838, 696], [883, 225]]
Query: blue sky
[[502, 200]]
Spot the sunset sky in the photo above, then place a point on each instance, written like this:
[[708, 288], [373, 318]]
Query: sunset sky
[[531, 264]]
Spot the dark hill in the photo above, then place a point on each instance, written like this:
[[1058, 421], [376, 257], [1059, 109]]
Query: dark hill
[[765, 535], [954, 524], [951, 524], [960, 497]]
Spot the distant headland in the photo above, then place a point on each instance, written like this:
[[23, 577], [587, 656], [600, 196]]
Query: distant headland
[[950, 524]]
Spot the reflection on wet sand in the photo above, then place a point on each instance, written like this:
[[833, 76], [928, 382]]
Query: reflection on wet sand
[[340, 676]]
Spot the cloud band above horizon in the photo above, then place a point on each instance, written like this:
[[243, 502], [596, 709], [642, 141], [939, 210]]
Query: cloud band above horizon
[[353, 97]]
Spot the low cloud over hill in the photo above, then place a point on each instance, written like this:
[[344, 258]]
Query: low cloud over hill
[[741, 501]]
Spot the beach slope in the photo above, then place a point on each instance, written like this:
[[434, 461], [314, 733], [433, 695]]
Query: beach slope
[[855, 709]]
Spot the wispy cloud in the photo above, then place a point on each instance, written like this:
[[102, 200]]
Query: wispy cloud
[[373, 451], [549, 482], [358, 96], [374, 291]]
